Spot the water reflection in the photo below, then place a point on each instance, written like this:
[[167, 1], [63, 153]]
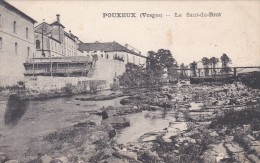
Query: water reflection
[[15, 109]]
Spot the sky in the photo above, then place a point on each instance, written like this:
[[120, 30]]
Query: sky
[[236, 32]]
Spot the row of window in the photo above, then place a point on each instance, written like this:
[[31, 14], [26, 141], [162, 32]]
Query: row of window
[[26, 30], [16, 46], [15, 27], [70, 43], [56, 47]]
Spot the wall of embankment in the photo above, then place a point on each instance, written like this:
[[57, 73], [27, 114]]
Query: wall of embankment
[[74, 84]]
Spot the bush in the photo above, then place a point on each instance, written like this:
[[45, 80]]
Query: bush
[[68, 89], [114, 86], [93, 87]]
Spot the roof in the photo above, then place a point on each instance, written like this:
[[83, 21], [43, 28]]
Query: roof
[[107, 47], [17, 11], [57, 23], [71, 36]]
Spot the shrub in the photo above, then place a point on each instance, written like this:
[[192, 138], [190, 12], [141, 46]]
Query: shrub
[[93, 86], [68, 89], [114, 86]]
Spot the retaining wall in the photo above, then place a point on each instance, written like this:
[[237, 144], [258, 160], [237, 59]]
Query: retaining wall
[[47, 83]]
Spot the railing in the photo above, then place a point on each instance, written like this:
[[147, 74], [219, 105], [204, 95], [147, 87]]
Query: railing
[[55, 70]]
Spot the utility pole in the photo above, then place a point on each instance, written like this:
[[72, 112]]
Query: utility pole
[[33, 64], [235, 76], [42, 40]]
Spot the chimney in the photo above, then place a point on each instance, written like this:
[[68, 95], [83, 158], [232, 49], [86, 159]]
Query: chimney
[[70, 32], [58, 17]]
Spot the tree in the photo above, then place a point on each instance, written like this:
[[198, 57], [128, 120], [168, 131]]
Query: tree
[[193, 67], [158, 62], [182, 71], [133, 76], [225, 60], [205, 62], [213, 62]]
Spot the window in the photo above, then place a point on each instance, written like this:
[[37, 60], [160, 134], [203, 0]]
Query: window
[[107, 56], [28, 51], [16, 48], [1, 43], [38, 44], [14, 26], [102, 55], [27, 33]]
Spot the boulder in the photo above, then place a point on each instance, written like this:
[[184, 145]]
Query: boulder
[[12, 161], [125, 101], [214, 134], [118, 122], [112, 159], [46, 159], [125, 154], [85, 124], [112, 133], [62, 159], [55, 161], [108, 113], [3, 158], [150, 138]]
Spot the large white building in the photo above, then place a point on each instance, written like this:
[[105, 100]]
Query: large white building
[[113, 51], [111, 58], [16, 43], [51, 40]]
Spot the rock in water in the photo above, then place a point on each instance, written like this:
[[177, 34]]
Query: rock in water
[[12, 161], [118, 122], [46, 159], [3, 157], [112, 133]]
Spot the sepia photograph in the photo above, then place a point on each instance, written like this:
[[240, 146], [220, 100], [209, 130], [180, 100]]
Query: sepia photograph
[[84, 81]]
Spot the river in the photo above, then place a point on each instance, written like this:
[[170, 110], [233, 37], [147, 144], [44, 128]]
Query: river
[[23, 124]]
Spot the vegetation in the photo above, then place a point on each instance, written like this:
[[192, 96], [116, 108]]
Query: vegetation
[[16, 87], [183, 73], [68, 89], [206, 62], [193, 67], [225, 60], [213, 62], [159, 64], [134, 76]]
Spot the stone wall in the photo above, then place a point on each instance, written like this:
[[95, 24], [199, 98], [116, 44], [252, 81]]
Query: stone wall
[[47, 83]]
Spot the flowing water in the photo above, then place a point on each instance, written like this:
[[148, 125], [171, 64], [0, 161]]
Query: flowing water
[[24, 122]]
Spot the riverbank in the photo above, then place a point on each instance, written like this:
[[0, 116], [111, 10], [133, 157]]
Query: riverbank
[[198, 123]]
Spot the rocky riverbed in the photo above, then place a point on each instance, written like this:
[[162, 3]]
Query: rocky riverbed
[[185, 123]]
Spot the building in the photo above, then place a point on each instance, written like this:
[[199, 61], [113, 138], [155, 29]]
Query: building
[[113, 51], [75, 66], [111, 58], [51, 40], [16, 43]]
